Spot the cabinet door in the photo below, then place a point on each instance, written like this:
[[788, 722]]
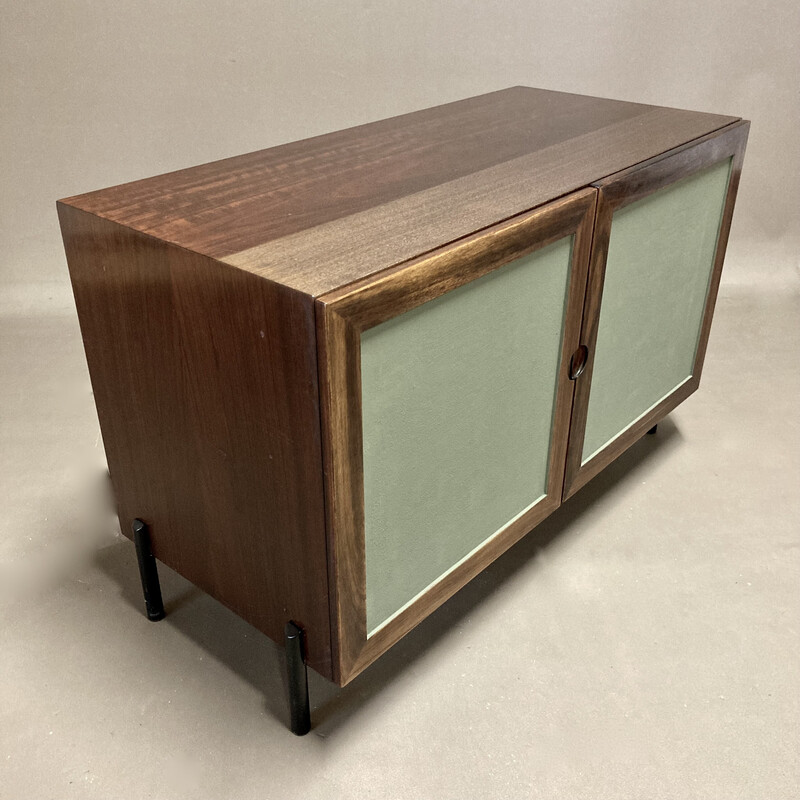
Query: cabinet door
[[446, 400], [659, 243]]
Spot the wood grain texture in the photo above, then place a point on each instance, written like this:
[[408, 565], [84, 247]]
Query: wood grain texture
[[617, 191], [340, 320], [233, 204], [381, 297], [348, 249], [318, 214], [342, 448], [205, 382]]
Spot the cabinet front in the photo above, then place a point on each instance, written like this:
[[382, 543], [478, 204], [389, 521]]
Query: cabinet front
[[658, 250], [446, 400]]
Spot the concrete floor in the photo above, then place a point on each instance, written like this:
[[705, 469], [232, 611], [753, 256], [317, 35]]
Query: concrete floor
[[641, 643]]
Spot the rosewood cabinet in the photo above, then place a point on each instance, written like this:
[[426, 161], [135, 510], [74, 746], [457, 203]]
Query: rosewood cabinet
[[337, 378]]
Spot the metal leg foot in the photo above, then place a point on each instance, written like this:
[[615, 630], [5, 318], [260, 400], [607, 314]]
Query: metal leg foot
[[298, 680], [148, 571], [653, 430]]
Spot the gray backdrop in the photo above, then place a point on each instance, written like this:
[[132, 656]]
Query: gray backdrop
[[97, 93], [643, 643]]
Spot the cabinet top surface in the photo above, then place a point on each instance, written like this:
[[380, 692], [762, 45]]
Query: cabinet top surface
[[323, 212]]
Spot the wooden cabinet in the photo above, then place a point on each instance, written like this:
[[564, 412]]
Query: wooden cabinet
[[337, 378]]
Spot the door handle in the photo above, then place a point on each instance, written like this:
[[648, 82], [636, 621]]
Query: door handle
[[578, 361]]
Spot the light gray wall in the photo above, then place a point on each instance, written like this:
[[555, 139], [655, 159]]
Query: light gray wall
[[96, 93]]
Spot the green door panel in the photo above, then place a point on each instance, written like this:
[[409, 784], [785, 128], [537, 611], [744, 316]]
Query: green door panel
[[457, 412], [660, 260]]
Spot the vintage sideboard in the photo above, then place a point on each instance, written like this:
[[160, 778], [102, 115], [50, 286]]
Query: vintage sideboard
[[337, 378]]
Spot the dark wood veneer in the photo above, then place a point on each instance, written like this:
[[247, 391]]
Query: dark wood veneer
[[205, 382]]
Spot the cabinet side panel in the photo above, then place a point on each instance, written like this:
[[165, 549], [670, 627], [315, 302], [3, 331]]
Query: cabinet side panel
[[205, 381]]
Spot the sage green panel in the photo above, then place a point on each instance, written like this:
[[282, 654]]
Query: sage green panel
[[660, 259], [457, 401]]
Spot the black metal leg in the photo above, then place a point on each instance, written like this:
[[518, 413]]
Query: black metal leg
[[148, 571], [653, 430], [298, 680]]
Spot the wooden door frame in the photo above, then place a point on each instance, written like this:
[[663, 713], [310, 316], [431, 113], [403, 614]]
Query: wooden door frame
[[342, 315], [618, 191]]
